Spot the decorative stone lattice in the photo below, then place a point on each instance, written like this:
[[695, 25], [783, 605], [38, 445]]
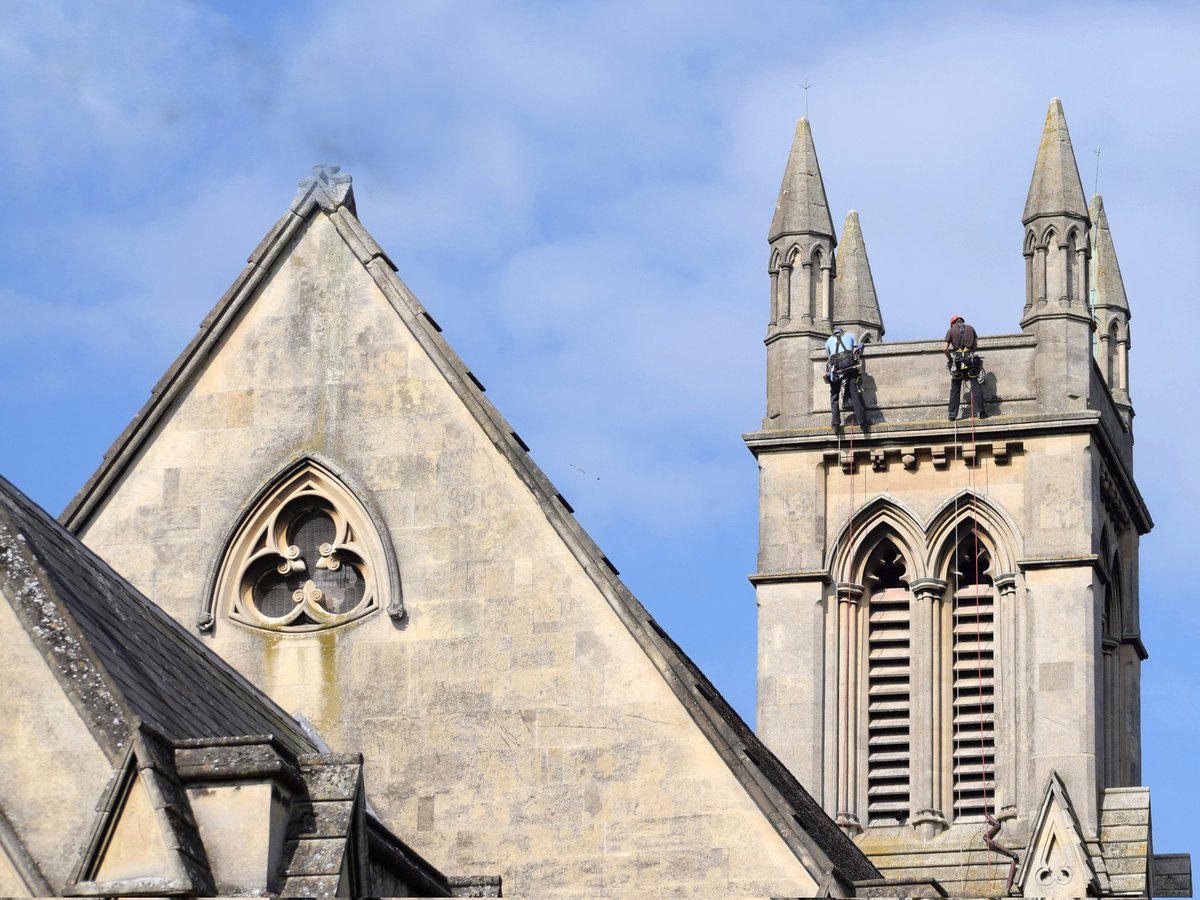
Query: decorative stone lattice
[[307, 558]]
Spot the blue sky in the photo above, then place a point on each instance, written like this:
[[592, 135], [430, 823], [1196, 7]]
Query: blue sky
[[580, 193]]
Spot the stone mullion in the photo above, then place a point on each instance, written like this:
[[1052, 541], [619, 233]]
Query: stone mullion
[[809, 313], [774, 296], [1081, 269], [826, 292], [1005, 694], [927, 677], [849, 707], [1029, 280], [785, 292], [1063, 273], [1111, 713], [1039, 272]]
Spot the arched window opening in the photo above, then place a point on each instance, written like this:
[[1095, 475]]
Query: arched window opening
[[306, 557], [1071, 266], [973, 661], [1111, 368], [814, 285], [888, 686]]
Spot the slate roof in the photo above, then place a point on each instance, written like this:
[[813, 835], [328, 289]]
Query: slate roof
[[122, 660], [139, 678], [796, 816]]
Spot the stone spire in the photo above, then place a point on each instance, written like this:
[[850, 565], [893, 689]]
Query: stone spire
[[802, 207], [801, 268], [1056, 228], [1055, 189], [1056, 249], [855, 305], [1110, 309], [1109, 287]]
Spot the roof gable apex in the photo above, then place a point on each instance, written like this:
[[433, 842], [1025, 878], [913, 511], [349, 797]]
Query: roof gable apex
[[1056, 862], [808, 832]]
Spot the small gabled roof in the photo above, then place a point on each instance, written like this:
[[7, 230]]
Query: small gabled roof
[[1055, 189], [802, 207], [854, 298], [121, 659], [1110, 287], [795, 815]]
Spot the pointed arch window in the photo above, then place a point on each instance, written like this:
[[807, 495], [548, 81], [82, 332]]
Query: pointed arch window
[[306, 557], [889, 686], [973, 678]]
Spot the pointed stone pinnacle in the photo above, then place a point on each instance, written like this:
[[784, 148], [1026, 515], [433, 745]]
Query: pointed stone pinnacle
[[802, 207], [1055, 189], [1110, 287], [854, 300]]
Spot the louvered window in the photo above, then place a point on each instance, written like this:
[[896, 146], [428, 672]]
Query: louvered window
[[974, 682], [888, 689]]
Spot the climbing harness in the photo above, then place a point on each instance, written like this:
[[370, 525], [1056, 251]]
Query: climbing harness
[[843, 363]]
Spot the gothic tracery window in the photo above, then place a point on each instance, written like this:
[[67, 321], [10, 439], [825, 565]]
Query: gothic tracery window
[[306, 558]]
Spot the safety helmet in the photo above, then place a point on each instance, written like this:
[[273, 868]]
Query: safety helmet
[[838, 329], [956, 318]]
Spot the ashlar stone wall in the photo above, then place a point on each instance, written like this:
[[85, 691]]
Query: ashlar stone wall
[[511, 723], [52, 771]]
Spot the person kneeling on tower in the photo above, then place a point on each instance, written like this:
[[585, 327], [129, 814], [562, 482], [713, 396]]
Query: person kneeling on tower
[[842, 375], [964, 364]]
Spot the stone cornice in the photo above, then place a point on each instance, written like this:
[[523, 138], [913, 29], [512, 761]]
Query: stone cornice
[[803, 575], [885, 436], [1069, 561]]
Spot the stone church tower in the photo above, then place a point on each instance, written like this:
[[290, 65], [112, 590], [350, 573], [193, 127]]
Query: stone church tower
[[949, 642]]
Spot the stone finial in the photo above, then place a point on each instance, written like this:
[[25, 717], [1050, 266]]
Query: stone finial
[[1055, 189], [1106, 278], [328, 187], [855, 304], [802, 207]]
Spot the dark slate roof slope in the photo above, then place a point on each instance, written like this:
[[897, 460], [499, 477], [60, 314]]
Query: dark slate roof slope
[[163, 676]]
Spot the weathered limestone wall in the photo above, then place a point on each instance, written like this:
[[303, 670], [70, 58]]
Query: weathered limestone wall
[[52, 772], [11, 883], [1054, 462], [510, 722]]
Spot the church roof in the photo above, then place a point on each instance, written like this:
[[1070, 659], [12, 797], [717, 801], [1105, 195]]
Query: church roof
[[796, 816], [141, 682], [802, 207], [122, 660], [1055, 189], [1110, 287]]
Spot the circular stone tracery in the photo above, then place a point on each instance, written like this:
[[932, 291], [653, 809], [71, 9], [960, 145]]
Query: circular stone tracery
[[306, 559]]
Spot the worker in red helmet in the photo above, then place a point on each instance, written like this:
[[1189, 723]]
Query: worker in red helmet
[[964, 365]]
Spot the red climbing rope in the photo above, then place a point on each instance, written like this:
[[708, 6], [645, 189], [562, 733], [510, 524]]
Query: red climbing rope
[[993, 829]]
